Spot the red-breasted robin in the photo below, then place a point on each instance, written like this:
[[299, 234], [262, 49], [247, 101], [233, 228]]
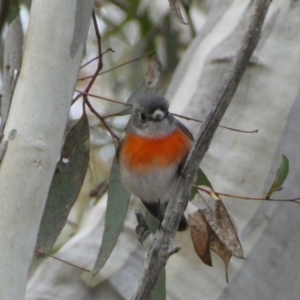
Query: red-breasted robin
[[152, 153]]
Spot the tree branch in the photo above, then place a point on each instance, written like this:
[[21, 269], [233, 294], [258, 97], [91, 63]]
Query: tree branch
[[159, 251]]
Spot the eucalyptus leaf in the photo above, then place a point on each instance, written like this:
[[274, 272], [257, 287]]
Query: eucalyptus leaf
[[13, 11], [117, 205], [152, 222], [201, 180], [160, 287], [280, 177], [221, 224], [201, 234], [66, 184], [221, 250]]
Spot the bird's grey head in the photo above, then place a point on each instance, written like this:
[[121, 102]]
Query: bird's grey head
[[150, 117]]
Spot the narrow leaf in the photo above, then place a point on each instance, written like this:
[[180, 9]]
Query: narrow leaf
[[152, 222], [201, 233], [149, 85], [201, 180], [280, 177], [220, 249], [175, 8], [14, 10], [221, 224], [117, 205], [160, 287], [66, 184]]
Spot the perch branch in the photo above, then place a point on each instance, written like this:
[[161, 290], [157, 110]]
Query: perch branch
[[158, 252]]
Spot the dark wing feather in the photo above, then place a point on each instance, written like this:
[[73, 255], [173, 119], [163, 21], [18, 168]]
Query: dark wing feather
[[184, 129], [156, 212], [189, 134]]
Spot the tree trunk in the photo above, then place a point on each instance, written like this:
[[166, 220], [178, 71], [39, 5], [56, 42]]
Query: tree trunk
[[36, 123]]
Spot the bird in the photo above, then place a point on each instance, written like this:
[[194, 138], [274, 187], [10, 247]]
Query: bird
[[152, 152]]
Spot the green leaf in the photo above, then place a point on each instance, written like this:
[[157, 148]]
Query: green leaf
[[152, 222], [9, 10], [173, 47], [117, 205], [149, 85], [160, 287], [27, 3], [201, 180], [280, 177], [66, 184], [13, 10]]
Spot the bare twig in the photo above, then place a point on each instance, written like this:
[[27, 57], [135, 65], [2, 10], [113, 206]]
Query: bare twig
[[176, 115], [113, 135], [247, 197], [142, 230], [222, 126], [90, 84], [40, 252], [118, 66], [93, 59], [158, 252], [103, 98], [100, 63]]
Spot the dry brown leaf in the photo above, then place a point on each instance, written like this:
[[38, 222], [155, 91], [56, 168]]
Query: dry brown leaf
[[218, 247], [201, 234], [175, 8], [153, 73], [221, 224]]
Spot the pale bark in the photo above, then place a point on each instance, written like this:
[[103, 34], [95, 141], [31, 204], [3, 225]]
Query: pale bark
[[40, 107], [237, 163]]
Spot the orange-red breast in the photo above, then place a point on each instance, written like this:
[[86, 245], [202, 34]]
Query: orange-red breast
[[152, 152]]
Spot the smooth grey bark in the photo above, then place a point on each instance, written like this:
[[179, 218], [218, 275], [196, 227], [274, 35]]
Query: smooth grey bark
[[38, 115]]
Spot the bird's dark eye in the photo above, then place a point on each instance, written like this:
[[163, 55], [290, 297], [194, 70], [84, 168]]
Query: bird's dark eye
[[142, 117]]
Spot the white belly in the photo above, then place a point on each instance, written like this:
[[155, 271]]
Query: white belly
[[151, 187]]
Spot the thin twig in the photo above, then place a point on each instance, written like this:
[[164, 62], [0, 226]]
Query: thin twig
[[103, 98], [88, 62], [113, 135], [118, 66], [157, 254], [90, 84], [176, 115], [100, 63], [40, 252], [222, 126], [246, 198], [93, 59]]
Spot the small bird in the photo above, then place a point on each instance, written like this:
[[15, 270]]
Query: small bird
[[152, 153]]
